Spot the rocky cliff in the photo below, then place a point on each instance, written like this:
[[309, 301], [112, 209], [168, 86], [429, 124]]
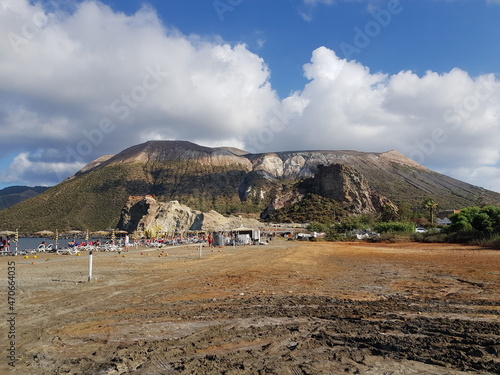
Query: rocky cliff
[[347, 186], [145, 213]]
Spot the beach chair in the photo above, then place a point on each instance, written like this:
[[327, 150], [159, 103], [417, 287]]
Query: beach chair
[[39, 249], [112, 247], [67, 251]]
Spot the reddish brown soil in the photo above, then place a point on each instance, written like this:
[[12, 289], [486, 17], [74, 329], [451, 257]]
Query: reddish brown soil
[[287, 308]]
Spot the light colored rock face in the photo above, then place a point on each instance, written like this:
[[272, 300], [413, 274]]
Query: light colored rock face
[[176, 151], [399, 158], [270, 163], [145, 213], [225, 160], [94, 164], [171, 217], [294, 166]]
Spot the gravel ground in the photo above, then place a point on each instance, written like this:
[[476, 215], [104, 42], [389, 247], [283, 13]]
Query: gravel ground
[[286, 308]]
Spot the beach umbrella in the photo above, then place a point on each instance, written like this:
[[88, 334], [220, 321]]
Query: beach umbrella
[[74, 231], [56, 238], [45, 233], [113, 237], [120, 232], [87, 236], [7, 233]]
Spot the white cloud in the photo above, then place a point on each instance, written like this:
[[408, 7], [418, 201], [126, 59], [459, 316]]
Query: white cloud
[[306, 11], [94, 81], [30, 170], [446, 121], [485, 176], [314, 2]]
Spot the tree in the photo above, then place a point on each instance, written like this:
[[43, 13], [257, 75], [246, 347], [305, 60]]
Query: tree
[[388, 212], [406, 212], [430, 205], [484, 220]]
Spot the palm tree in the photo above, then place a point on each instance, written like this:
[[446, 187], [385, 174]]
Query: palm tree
[[431, 206]]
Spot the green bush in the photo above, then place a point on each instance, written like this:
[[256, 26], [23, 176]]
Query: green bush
[[353, 222], [384, 238], [393, 226], [318, 227], [334, 235], [430, 237], [484, 220]]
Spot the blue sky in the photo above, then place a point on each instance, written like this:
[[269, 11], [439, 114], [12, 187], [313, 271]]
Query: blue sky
[[80, 79], [425, 35]]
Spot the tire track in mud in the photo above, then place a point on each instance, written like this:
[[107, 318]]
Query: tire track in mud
[[282, 335]]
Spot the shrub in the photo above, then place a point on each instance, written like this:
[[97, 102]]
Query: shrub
[[318, 227], [393, 226], [431, 237], [384, 238], [495, 243]]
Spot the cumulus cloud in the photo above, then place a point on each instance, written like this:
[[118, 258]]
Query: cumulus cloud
[[94, 81], [31, 169], [79, 84], [446, 121]]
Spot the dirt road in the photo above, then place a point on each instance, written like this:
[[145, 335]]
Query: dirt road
[[287, 308]]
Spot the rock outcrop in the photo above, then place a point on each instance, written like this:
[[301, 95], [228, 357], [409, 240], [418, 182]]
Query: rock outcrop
[[339, 182], [145, 213], [347, 186]]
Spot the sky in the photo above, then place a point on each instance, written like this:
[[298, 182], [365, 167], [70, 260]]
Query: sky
[[82, 79]]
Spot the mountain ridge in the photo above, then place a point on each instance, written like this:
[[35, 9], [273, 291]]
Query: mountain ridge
[[12, 195], [230, 180]]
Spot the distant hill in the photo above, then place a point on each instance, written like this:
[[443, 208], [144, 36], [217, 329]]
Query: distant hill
[[12, 195], [229, 180]]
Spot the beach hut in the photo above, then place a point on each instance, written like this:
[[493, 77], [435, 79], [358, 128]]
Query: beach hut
[[247, 235]]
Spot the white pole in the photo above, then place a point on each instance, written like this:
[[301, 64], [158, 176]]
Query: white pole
[[201, 247], [90, 265]]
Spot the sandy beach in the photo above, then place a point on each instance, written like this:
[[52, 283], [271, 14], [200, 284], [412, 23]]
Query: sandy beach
[[286, 308]]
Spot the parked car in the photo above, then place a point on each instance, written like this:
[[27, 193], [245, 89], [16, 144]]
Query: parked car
[[420, 230]]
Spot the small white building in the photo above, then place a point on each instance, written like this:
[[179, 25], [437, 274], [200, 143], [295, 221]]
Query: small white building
[[248, 234], [445, 221]]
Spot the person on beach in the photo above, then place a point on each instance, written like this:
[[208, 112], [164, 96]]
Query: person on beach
[[6, 243], [127, 242]]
